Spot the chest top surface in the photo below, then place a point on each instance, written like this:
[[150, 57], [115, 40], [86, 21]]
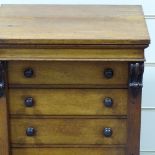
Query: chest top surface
[[70, 24]]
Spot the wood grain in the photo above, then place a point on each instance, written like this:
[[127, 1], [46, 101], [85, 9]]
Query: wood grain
[[67, 72], [67, 146], [68, 131], [4, 128], [72, 24], [68, 117], [68, 151], [4, 143], [72, 54], [68, 101], [69, 47], [134, 125], [63, 86]]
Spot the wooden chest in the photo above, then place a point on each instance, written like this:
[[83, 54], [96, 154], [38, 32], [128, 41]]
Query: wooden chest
[[71, 79]]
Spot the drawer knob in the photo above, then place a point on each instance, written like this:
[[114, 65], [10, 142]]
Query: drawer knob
[[30, 131], [108, 102], [29, 102], [108, 73], [28, 72], [107, 132]]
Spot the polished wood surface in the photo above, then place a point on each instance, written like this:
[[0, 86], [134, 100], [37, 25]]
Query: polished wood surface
[[4, 127], [73, 54], [72, 24], [68, 151], [68, 101], [134, 125], [68, 131], [4, 140], [67, 72], [68, 48]]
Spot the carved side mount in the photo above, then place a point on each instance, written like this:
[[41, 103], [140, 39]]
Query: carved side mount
[[2, 78], [136, 77]]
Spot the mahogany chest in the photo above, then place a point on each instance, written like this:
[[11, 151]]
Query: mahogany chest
[[71, 79]]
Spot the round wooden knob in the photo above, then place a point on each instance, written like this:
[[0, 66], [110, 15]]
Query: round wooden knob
[[107, 132], [108, 73], [30, 131], [29, 102], [108, 102], [28, 72]]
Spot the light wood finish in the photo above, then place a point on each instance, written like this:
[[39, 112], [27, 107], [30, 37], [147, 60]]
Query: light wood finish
[[4, 143], [69, 54], [67, 72], [88, 24], [68, 131], [68, 101], [68, 151], [69, 47]]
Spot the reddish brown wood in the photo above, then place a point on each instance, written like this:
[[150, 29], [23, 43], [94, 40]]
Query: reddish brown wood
[[134, 121], [4, 142]]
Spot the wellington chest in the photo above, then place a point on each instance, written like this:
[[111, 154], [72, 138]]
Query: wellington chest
[[71, 79]]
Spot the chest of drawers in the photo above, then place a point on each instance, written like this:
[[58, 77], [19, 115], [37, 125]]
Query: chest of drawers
[[71, 79]]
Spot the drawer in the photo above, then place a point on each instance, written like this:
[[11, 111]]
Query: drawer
[[68, 131], [61, 72], [68, 101], [68, 151]]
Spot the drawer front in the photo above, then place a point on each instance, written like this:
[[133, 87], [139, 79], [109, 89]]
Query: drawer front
[[106, 73], [68, 131], [68, 151], [68, 101]]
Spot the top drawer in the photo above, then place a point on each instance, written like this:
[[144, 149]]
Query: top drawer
[[62, 72]]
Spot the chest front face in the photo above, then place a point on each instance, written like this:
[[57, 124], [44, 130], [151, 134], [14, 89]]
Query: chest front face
[[71, 79]]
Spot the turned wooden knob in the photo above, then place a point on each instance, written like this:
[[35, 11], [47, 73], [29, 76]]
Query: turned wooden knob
[[29, 102], [108, 73], [28, 72], [30, 131], [108, 102], [107, 132]]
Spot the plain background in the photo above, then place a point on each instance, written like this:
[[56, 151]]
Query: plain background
[[148, 100]]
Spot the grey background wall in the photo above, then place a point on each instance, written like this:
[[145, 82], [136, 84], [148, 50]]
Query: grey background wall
[[148, 101]]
